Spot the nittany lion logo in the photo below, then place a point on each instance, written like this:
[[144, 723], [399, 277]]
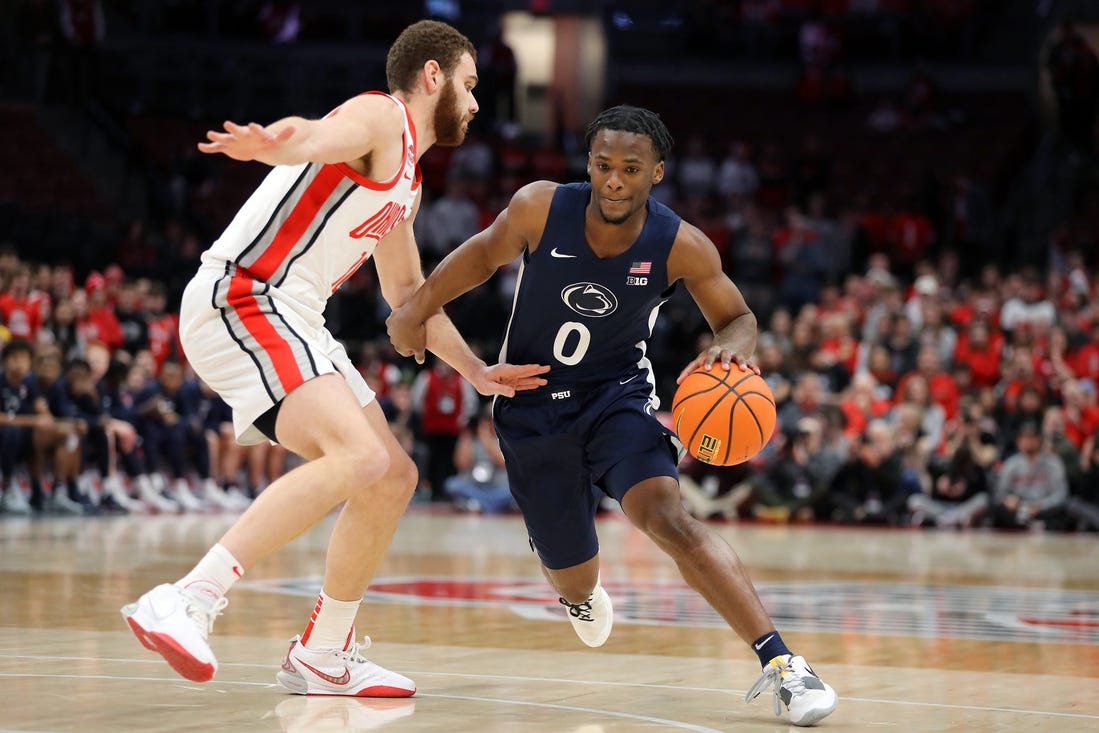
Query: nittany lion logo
[[589, 299]]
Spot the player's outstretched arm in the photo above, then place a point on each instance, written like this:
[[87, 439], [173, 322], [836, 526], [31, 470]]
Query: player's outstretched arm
[[695, 260], [399, 273], [350, 132], [471, 264]]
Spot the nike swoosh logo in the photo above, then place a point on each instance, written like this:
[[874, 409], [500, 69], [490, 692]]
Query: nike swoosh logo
[[561, 255], [343, 679], [237, 571], [759, 646], [623, 381]]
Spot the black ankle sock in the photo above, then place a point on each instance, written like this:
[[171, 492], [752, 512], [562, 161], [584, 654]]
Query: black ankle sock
[[769, 646]]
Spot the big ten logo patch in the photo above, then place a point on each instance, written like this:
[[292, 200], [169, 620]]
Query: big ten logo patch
[[708, 447]]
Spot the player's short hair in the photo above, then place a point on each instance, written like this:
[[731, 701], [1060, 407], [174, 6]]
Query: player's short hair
[[633, 119], [419, 43]]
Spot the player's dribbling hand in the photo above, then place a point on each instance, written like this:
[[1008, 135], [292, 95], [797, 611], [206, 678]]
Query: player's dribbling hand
[[507, 379], [714, 355], [244, 142]]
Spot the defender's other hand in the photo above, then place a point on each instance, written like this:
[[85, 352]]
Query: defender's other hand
[[507, 379], [408, 335]]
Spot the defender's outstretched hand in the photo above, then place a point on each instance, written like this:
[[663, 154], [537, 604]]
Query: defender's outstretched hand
[[507, 379], [245, 142]]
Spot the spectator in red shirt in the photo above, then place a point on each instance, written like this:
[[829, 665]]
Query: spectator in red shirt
[[910, 238], [1085, 360], [1081, 412], [163, 327], [837, 346], [95, 318], [941, 385], [1020, 376], [861, 403], [22, 310], [982, 350]]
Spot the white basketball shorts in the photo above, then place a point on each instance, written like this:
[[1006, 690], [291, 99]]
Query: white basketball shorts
[[247, 341]]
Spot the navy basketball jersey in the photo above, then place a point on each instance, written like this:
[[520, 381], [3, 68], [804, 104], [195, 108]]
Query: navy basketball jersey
[[586, 317]]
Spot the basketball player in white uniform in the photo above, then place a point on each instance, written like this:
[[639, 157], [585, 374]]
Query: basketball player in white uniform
[[342, 189]]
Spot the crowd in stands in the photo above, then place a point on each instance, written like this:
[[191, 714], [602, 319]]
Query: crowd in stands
[[928, 369], [913, 386]]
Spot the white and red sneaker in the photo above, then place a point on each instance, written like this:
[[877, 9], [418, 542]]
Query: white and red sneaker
[[173, 623], [339, 672]]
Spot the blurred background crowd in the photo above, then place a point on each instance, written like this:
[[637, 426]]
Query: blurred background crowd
[[906, 192]]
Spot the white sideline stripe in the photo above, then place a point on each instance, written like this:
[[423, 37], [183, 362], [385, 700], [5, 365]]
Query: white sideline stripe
[[552, 706], [512, 678]]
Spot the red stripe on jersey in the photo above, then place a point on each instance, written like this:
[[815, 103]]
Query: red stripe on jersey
[[242, 302], [291, 231]]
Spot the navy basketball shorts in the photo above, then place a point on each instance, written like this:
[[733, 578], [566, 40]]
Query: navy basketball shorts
[[562, 454]]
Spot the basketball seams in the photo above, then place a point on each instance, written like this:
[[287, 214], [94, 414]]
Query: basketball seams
[[692, 395], [706, 416], [698, 417], [755, 418]]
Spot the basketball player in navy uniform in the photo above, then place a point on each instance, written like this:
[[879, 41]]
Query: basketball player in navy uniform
[[598, 260]]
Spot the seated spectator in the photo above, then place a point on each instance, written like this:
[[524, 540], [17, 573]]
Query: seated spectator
[[1085, 359], [213, 417], [60, 330], [1080, 410], [861, 402], [118, 443], [1028, 406], [481, 483], [1053, 432], [24, 419], [1032, 489], [959, 490], [163, 326], [805, 400], [59, 446], [941, 386], [95, 317], [1083, 504], [927, 418], [797, 480], [871, 488], [981, 350], [22, 310], [168, 428]]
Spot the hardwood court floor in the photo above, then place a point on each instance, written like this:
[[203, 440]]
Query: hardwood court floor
[[917, 631]]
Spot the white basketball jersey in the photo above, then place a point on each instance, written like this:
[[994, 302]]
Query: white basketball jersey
[[307, 228]]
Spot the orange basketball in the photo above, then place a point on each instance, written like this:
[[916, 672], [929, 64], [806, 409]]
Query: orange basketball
[[723, 417]]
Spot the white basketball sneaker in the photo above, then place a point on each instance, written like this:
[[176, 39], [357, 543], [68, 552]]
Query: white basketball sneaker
[[797, 686], [173, 623], [339, 672], [592, 620]]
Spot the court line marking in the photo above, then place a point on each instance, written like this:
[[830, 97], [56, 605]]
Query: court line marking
[[600, 711], [520, 678], [553, 706]]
